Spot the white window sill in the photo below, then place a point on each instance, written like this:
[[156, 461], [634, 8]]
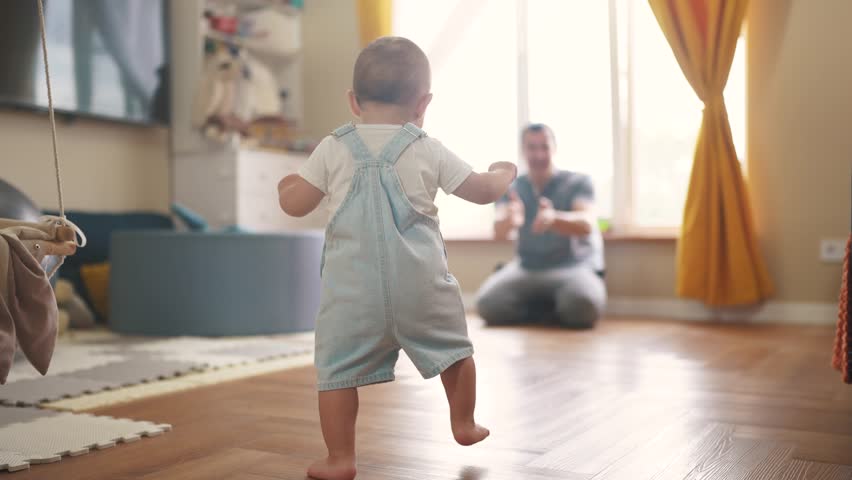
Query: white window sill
[[609, 237]]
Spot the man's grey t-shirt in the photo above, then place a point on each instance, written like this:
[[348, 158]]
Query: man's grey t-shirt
[[550, 250]]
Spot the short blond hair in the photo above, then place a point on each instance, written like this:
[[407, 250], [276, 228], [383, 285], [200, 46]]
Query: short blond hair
[[391, 70]]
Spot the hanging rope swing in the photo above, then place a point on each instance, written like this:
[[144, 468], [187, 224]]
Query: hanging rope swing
[[28, 311]]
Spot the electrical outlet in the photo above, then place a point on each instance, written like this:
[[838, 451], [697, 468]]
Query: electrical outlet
[[832, 250]]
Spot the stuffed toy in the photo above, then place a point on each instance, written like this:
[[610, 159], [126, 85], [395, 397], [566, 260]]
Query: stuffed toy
[[63, 322], [263, 94], [236, 87], [77, 313], [221, 105]]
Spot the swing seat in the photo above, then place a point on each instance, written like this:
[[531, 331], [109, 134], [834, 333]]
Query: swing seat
[[48, 237], [28, 310]]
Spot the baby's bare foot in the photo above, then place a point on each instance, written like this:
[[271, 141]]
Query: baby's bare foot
[[333, 469], [468, 433]]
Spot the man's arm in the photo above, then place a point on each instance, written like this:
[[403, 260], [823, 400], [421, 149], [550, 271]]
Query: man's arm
[[509, 217], [578, 221], [297, 197]]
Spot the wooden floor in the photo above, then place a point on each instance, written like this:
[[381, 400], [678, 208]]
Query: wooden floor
[[631, 400]]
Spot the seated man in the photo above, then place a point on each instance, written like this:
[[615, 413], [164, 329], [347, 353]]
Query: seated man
[[558, 275]]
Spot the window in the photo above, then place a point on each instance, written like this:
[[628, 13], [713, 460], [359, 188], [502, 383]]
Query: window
[[474, 111], [666, 116], [568, 68], [499, 64]]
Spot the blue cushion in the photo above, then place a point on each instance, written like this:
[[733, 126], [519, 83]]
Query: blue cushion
[[214, 284], [98, 228], [193, 221]]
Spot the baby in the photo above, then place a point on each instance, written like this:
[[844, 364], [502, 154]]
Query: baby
[[385, 284]]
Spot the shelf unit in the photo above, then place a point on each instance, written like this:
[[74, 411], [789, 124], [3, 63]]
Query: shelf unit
[[231, 184]]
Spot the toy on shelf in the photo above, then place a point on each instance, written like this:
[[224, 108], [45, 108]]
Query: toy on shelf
[[271, 34], [257, 4], [225, 22], [220, 102], [277, 133], [237, 86]]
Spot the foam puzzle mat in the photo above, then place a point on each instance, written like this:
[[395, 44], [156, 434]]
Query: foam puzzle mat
[[178, 384], [99, 362], [38, 423], [32, 436]]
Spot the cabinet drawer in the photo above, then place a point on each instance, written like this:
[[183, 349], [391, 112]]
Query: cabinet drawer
[[262, 213], [262, 220], [260, 172]]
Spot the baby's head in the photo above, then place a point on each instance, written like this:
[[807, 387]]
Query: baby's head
[[391, 82]]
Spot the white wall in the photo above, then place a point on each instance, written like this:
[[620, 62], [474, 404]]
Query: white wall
[[330, 42]]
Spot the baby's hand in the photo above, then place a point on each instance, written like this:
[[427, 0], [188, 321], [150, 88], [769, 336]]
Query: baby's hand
[[297, 197], [505, 166], [484, 188]]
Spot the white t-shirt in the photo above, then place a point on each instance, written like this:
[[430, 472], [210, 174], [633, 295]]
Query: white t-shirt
[[423, 167]]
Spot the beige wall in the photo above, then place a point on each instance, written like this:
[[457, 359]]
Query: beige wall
[[330, 47], [800, 138], [105, 166]]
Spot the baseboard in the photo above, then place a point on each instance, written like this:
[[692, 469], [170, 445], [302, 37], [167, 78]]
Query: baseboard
[[774, 312], [799, 313]]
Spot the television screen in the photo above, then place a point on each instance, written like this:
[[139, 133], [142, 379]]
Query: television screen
[[108, 58]]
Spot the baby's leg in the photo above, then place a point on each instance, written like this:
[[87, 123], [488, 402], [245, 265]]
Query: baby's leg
[[338, 410], [460, 383]]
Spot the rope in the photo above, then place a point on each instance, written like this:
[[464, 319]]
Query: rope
[[56, 167], [50, 111]]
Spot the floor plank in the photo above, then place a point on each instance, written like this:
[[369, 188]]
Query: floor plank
[[711, 456], [773, 465], [816, 446], [804, 470], [227, 464], [653, 458]]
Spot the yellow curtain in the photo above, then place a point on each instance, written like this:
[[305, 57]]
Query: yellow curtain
[[718, 260], [374, 19]]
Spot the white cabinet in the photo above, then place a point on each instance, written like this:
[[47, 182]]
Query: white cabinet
[[258, 174], [239, 187]]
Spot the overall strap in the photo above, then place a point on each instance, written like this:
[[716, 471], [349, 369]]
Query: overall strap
[[405, 137], [349, 136]]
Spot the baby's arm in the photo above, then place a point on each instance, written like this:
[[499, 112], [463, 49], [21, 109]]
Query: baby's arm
[[297, 197], [485, 188]]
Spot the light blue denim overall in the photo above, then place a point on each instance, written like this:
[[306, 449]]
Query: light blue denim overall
[[385, 280]]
